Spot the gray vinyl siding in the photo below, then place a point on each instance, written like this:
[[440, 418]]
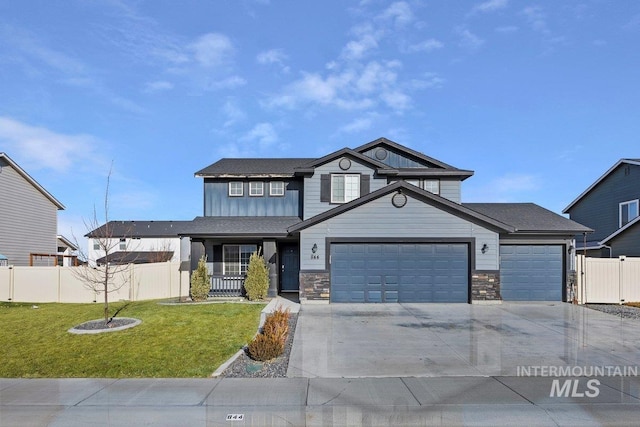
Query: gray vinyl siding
[[380, 219], [626, 243], [312, 204], [600, 209], [217, 201], [28, 219], [450, 189]]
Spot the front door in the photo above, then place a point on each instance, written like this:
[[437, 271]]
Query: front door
[[289, 268]]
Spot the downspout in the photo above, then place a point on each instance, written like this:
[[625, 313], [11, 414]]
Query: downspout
[[610, 250]]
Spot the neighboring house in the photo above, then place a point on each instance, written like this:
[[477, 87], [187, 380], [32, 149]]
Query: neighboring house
[[378, 223], [67, 254], [28, 218], [610, 206], [135, 242]]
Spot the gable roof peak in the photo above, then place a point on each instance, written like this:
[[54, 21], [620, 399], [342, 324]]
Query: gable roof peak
[[399, 147]]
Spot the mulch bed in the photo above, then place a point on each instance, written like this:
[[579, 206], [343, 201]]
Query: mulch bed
[[245, 367]]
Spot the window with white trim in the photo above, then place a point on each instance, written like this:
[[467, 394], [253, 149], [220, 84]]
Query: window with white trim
[[235, 259], [276, 188], [236, 189], [96, 244], [123, 244], [256, 188], [431, 185], [628, 212], [345, 187]]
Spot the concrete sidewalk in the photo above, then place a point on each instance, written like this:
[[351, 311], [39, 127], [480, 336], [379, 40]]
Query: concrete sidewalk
[[316, 402]]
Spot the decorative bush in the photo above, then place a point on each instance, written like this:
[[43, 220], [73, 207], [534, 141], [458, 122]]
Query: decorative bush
[[270, 343], [265, 347], [200, 281], [256, 283]]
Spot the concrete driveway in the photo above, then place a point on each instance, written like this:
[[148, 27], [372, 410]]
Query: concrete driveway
[[430, 340]]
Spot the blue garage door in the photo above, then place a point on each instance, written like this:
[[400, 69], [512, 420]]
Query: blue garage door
[[531, 272], [394, 272]]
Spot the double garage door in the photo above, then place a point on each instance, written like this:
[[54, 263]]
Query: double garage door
[[399, 272], [531, 272]]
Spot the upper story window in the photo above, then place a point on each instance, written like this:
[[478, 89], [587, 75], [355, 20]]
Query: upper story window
[[256, 188], [276, 188], [123, 244], [96, 244], [628, 212], [345, 187], [236, 189], [431, 185]]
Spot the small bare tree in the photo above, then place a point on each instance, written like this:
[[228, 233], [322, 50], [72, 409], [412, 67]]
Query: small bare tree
[[107, 276]]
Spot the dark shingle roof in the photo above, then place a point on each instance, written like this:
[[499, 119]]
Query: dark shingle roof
[[135, 257], [253, 167], [528, 217], [240, 226], [140, 229]]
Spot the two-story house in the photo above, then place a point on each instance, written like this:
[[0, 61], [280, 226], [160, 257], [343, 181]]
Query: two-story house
[[28, 218], [377, 223], [610, 206]]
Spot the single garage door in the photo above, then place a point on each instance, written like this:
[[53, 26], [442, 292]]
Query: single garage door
[[531, 272], [395, 272]]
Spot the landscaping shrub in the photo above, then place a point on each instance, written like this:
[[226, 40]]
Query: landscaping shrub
[[256, 283], [265, 347], [200, 281], [270, 343]]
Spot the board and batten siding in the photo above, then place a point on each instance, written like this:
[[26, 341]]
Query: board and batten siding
[[217, 201], [312, 204], [28, 219], [380, 219]]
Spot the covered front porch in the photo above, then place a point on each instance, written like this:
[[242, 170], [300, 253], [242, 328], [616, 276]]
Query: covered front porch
[[227, 254]]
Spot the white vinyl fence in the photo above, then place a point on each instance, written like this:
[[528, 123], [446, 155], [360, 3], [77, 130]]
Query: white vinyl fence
[[607, 280], [60, 284]]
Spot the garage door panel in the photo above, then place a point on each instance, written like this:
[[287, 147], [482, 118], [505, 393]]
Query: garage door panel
[[531, 272], [400, 272]]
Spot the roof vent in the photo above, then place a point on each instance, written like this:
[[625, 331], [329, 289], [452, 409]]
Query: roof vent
[[381, 153]]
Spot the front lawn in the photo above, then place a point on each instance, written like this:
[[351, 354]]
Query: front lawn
[[172, 341]]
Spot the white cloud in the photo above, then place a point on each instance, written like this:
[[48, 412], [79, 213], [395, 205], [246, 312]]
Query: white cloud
[[212, 49], [507, 29], [357, 125], [262, 133], [44, 149], [396, 100], [428, 80], [271, 56], [426, 46], [399, 13], [536, 19], [357, 49], [158, 86], [233, 113], [468, 39], [491, 5], [231, 82]]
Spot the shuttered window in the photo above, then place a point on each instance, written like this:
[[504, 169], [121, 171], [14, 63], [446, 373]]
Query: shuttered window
[[345, 187]]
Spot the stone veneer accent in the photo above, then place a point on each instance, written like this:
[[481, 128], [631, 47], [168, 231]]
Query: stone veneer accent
[[315, 285], [485, 286]]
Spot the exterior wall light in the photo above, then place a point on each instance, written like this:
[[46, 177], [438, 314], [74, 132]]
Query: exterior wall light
[[314, 249], [484, 248]]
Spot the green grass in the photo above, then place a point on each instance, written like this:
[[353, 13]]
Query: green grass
[[182, 341]]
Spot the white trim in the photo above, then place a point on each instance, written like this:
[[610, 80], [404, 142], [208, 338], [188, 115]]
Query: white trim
[[261, 188], [627, 203], [231, 194], [344, 194], [272, 193]]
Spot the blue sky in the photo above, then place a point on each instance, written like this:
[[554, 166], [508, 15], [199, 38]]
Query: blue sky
[[538, 98]]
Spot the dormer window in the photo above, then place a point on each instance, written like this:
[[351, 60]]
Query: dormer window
[[628, 212], [344, 187]]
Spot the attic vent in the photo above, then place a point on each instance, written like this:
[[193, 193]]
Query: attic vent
[[344, 164], [627, 170], [381, 154]]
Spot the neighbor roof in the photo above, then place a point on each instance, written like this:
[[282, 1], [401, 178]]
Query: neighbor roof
[[529, 217], [253, 167], [211, 226], [135, 257], [635, 162], [140, 229], [32, 181]]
